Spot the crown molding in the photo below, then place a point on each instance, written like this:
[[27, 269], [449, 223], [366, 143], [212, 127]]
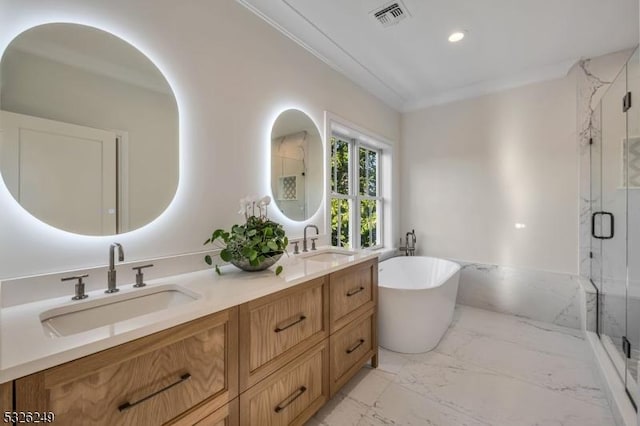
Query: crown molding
[[548, 72]]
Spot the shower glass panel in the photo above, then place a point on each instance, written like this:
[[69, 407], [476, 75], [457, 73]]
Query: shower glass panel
[[631, 182], [610, 223], [596, 203], [615, 220]]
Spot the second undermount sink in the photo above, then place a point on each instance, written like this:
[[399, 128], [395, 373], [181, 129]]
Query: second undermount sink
[[329, 255], [76, 318]]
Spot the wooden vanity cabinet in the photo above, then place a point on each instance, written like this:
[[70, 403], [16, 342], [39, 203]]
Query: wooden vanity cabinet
[[6, 397], [354, 290], [277, 328], [150, 380], [227, 415], [286, 376], [351, 348], [354, 328], [274, 361], [290, 396]]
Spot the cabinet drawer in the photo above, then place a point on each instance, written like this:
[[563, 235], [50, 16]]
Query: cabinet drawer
[[350, 349], [277, 328], [147, 381], [225, 416], [205, 415], [352, 291], [290, 397]]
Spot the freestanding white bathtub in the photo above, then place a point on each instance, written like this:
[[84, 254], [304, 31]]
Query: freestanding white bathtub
[[417, 296]]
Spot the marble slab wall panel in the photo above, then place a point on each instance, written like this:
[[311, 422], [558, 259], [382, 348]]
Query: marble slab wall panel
[[593, 77], [591, 310], [615, 310], [539, 295]]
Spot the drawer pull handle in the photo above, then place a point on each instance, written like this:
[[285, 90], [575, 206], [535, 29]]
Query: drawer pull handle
[[284, 404], [128, 405], [354, 291], [278, 328], [356, 346]]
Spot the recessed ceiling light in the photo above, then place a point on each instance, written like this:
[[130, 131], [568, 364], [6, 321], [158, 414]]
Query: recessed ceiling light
[[456, 37]]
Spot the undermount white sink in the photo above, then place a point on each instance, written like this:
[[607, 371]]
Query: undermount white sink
[[84, 316], [329, 255]]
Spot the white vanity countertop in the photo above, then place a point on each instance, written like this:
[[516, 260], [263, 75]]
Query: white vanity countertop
[[26, 348]]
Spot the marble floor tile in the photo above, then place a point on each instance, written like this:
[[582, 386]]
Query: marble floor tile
[[545, 337], [489, 369], [568, 376], [401, 406], [367, 385], [390, 362], [341, 410], [496, 398]]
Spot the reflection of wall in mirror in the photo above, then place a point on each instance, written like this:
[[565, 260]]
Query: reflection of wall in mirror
[[149, 117], [289, 169], [299, 154]]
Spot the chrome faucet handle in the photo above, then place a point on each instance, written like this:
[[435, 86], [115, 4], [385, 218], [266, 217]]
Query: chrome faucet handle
[[313, 243], [80, 294], [140, 275], [296, 249]]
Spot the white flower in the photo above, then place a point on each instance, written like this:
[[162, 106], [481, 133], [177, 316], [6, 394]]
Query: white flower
[[244, 202], [264, 201]]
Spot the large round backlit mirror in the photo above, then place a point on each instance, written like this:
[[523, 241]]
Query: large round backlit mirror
[[296, 165], [88, 130]]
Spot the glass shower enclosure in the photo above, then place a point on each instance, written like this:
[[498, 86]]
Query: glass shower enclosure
[[615, 222]]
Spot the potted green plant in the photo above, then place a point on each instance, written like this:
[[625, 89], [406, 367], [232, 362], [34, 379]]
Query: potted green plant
[[255, 245]]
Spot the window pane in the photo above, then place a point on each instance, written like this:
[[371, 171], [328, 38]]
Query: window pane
[[340, 219], [339, 166], [368, 172], [368, 223]]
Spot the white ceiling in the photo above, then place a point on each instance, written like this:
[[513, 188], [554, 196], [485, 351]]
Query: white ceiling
[[412, 65]]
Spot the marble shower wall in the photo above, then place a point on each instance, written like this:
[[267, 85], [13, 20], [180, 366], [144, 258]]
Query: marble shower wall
[[539, 295], [593, 77], [548, 296]]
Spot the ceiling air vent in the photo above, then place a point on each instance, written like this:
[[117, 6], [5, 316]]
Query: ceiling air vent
[[390, 13]]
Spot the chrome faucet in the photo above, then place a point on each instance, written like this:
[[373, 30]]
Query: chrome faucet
[[410, 243], [304, 241], [111, 274]]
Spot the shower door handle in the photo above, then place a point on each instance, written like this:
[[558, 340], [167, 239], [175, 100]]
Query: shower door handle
[[593, 225]]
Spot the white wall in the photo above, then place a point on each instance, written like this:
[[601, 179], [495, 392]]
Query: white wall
[[43, 88], [473, 169], [232, 74]]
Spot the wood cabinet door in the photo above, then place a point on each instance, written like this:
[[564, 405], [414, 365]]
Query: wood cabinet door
[[292, 395], [351, 348], [147, 381], [353, 291], [6, 397], [277, 328], [228, 415]]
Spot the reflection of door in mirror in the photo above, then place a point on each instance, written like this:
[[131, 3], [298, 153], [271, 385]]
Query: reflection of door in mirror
[[289, 166], [83, 76], [62, 172]]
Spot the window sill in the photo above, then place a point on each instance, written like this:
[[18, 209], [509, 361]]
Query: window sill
[[385, 253]]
